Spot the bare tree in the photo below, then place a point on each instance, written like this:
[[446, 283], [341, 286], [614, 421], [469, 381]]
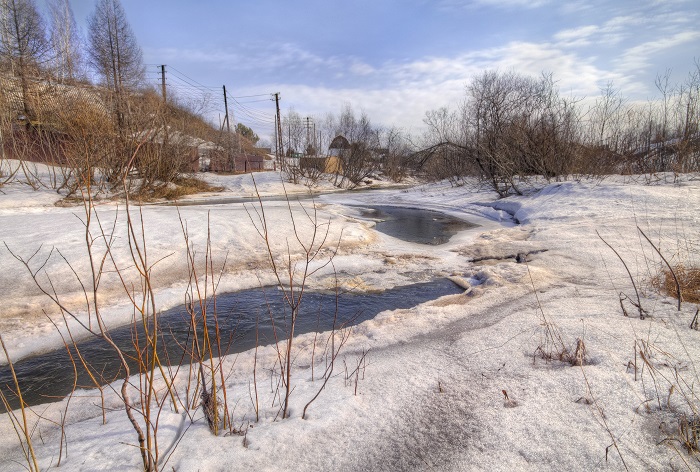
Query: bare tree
[[65, 41], [510, 126], [605, 116], [114, 54], [117, 58], [444, 152], [662, 134], [294, 131], [23, 44], [359, 159], [395, 152], [689, 121]]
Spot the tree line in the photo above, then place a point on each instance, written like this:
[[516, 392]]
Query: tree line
[[508, 127]]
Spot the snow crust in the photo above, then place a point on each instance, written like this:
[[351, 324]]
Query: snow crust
[[431, 392]]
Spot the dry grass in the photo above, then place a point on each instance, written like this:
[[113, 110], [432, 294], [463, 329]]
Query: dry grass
[[180, 187], [689, 432], [688, 278]]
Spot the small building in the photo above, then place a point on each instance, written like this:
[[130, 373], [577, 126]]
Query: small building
[[331, 163], [338, 146], [238, 162], [32, 141], [191, 153], [245, 162], [327, 165]]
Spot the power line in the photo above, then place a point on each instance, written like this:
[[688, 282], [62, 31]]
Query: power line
[[189, 79], [258, 95], [243, 107]]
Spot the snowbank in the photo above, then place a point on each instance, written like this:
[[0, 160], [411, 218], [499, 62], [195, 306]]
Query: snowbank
[[459, 383]]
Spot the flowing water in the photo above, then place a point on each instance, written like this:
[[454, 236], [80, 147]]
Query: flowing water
[[50, 376], [240, 315]]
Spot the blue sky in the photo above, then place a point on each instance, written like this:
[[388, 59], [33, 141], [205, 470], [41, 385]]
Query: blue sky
[[396, 59]]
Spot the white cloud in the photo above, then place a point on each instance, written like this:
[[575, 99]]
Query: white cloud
[[358, 67], [502, 4], [257, 55], [513, 3], [610, 33], [580, 36], [638, 58], [407, 90], [617, 45]]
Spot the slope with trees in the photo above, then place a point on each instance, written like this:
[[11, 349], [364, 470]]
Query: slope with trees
[[49, 112]]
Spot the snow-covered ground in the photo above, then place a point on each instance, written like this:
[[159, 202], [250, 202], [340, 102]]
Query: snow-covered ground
[[431, 394]]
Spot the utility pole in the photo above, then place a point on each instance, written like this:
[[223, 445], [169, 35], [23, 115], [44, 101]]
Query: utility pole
[[162, 81], [228, 129], [308, 128], [279, 125], [165, 101], [277, 145]]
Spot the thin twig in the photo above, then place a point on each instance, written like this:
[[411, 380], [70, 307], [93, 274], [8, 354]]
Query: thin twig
[[678, 285], [639, 300]]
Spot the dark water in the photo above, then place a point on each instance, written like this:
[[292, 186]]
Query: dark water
[[49, 377], [408, 224], [416, 225]]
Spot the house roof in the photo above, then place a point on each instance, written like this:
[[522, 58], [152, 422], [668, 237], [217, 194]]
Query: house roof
[[339, 142]]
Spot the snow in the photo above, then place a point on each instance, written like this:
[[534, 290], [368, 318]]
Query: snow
[[430, 393]]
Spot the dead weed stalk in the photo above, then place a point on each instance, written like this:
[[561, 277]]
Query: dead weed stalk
[[553, 346]]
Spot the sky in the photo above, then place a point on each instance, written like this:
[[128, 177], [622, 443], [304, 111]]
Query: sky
[[397, 59]]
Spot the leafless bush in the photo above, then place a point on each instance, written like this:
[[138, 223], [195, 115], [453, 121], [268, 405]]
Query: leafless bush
[[638, 304], [292, 274], [510, 126], [20, 425], [144, 414], [553, 346], [396, 152], [207, 346], [668, 374]]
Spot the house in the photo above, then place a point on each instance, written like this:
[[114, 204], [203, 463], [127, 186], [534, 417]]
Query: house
[[35, 142], [245, 162], [192, 154], [330, 164], [236, 163], [338, 146], [327, 165]]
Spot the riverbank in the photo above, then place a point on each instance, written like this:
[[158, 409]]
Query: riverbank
[[484, 380]]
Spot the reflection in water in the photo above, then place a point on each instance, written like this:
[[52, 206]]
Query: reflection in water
[[416, 225]]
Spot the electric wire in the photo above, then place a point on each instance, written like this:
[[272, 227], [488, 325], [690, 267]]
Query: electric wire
[[243, 108]]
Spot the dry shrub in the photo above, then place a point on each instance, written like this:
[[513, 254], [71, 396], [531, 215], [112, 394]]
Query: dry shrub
[[689, 430], [180, 187], [554, 349], [688, 279]]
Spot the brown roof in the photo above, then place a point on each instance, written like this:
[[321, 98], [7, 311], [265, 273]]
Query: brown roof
[[339, 142]]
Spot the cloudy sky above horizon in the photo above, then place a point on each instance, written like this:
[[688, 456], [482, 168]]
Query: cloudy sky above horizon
[[397, 59]]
